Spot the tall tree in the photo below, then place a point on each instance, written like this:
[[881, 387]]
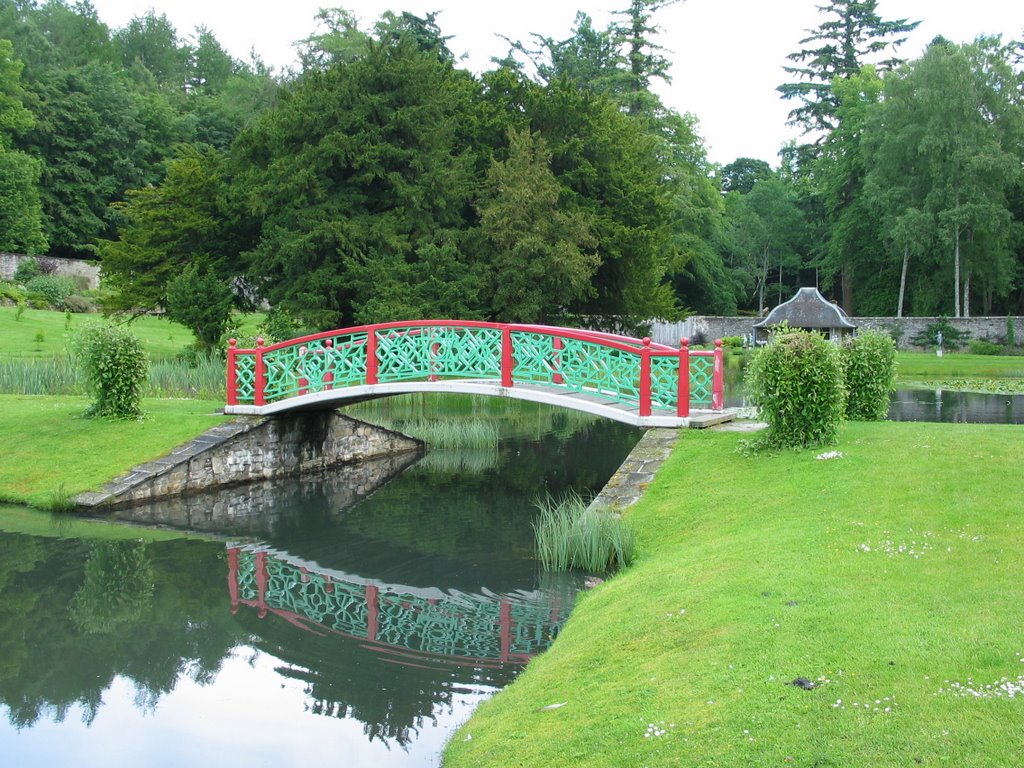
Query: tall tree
[[542, 257], [949, 134], [852, 36], [169, 228], [765, 234], [742, 173], [851, 246], [363, 179], [337, 40], [21, 213], [643, 55], [150, 45]]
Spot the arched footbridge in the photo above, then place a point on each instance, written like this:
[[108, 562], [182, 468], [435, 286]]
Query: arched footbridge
[[619, 377]]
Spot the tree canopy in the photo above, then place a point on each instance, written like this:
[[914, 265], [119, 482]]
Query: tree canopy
[[381, 180]]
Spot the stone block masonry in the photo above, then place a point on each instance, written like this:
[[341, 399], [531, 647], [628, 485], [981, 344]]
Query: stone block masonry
[[252, 449], [70, 267], [704, 329], [258, 508]]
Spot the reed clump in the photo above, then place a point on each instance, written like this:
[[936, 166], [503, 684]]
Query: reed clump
[[61, 375], [572, 534], [478, 434]]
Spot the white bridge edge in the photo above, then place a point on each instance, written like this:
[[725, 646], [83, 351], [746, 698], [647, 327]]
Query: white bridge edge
[[578, 401]]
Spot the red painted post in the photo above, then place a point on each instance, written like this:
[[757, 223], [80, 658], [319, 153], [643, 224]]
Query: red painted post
[[557, 344], [233, 576], [259, 385], [329, 373], [232, 384], [718, 380], [371, 356], [434, 349], [372, 611], [507, 362], [683, 390], [645, 378], [303, 381]]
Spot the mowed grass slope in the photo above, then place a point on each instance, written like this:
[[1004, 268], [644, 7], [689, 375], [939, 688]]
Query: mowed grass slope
[[162, 339], [927, 365], [50, 449], [887, 577]]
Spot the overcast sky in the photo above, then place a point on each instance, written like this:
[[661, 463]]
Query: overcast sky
[[727, 54]]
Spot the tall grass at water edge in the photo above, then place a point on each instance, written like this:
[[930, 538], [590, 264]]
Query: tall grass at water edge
[[572, 534], [60, 376], [454, 433]]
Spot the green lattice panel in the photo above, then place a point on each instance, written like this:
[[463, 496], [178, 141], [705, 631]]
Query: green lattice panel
[[245, 377], [315, 366], [405, 354], [345, 360], [535, 625], [338, 605], [588, 368], [246, 576], [536, 358], [702, 375], [467, 628], [664, 383]]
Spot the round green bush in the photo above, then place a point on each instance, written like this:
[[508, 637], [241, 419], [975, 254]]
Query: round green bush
[[27, 269], [796, 381], [869, 365], [116, 369], [984, 347], [53, 289]]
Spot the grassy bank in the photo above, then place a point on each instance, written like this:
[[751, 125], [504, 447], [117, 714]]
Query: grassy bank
[[953, 365], [50, 450], [41, 333], [887, 590]]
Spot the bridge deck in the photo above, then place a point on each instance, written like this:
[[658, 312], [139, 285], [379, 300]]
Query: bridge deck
[[578, 400]]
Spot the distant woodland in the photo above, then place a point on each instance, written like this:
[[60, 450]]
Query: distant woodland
[[379, 180]]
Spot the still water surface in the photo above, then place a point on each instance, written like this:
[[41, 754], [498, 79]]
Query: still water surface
[[355, 631]]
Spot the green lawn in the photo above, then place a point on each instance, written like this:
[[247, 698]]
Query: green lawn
[[20, 338], [50, 449], [890, 577], [953, 365]]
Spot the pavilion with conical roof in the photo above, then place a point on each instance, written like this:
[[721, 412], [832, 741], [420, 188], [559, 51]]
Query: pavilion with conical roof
[[809, 311]]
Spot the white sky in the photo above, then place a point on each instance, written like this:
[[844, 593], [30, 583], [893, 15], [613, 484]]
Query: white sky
[[727, 54]]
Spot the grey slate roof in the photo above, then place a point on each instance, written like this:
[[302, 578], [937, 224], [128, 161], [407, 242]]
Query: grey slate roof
[[808, 309]]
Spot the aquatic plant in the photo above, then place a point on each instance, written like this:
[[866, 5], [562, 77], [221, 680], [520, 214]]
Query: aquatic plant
[[572, 534], [447, 433]]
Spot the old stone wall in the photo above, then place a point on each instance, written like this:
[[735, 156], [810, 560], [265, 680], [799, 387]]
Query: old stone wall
[[704, 329], [253, 449], [259, 508], [70, 267]]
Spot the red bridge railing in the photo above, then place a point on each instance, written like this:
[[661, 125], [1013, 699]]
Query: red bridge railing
[[634, 372]]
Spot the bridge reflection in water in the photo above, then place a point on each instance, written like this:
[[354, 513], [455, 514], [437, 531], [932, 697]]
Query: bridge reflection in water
[[401, 624]]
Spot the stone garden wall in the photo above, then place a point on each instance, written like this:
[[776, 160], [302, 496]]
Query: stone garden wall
[[69, 267], [704, 329]]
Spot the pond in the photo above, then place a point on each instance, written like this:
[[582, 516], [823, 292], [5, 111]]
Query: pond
[[320, 626], [961, 407], [934, 405]]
